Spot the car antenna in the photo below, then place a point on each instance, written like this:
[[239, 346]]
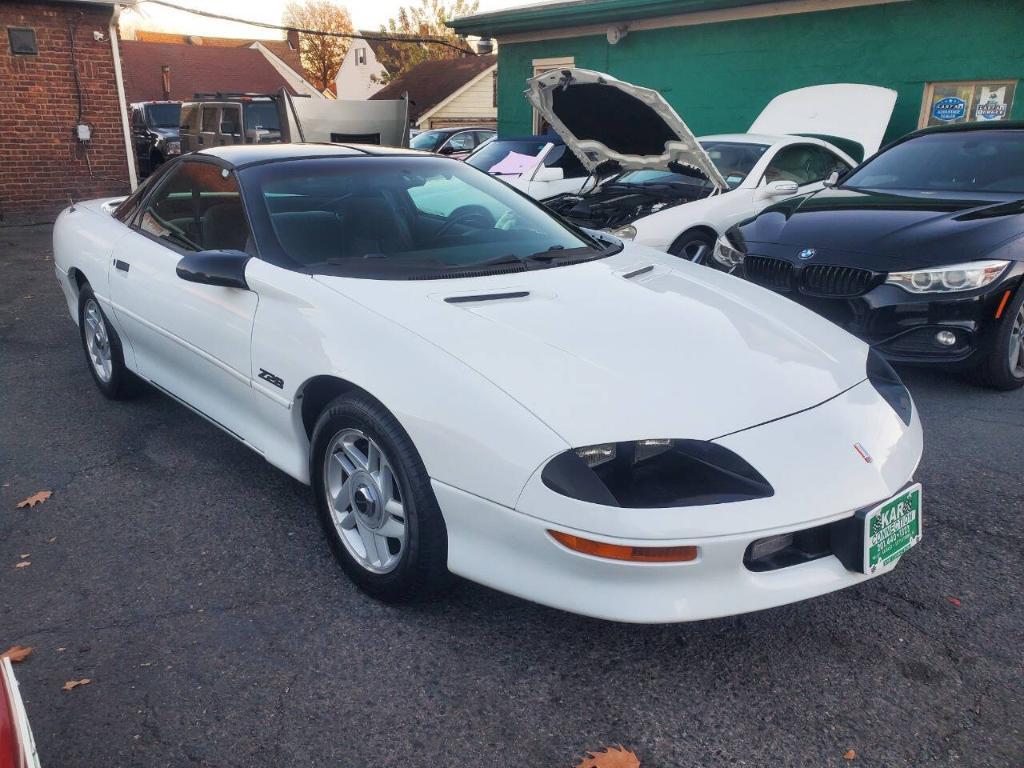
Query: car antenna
[[72, 208]]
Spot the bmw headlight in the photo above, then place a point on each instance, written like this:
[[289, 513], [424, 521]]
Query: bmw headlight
[[958, 277], [627, 232], [654, 473], [726, 255], [173, 147]]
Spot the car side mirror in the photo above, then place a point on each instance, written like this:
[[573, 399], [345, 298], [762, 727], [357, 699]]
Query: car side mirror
[[780, 188], [833, 179], [447, 149], [223, 268], [548, 174]]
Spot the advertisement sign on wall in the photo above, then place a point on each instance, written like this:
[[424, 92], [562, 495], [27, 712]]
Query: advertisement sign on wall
[[946, 103]]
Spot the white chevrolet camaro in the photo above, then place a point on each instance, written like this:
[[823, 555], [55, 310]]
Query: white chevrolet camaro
[[472, 386]]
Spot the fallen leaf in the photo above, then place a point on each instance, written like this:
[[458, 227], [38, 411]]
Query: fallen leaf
[[850, 754], [36, 498], [61, 650], [954, 600], [26, 555], [17, 653], [611, 757], [72, 684], [22, 564], [51, 540]]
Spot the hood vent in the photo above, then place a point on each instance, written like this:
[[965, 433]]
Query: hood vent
[[638, 272], [487, 297]]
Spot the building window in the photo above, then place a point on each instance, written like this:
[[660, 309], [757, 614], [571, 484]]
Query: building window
[[361, 56], [966, 101], [23, 41]]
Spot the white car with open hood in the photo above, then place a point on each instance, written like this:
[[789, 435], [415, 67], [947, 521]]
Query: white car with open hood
[[658, 185], [482, 389]]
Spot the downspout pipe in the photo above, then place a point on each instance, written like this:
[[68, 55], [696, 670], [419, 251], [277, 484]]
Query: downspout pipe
[[129, 147]]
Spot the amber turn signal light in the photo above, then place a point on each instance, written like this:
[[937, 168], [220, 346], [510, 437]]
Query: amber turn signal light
[[619, 552]]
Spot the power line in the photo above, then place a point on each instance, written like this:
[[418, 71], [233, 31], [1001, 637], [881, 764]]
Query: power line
[[301, 31]]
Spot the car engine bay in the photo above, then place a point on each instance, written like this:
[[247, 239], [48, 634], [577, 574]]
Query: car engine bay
[[614, 204]]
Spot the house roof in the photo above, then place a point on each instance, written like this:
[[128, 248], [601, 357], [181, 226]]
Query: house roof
[[566, 13], [280, 48], [195, 69], [433, 81]]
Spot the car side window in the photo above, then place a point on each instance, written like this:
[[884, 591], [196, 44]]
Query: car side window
[[804, 164], [461, 142], [230, 120], [138, 121], [198, 208], [210, 119], [562, 157]]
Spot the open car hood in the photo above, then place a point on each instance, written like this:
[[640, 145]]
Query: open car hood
[[857, 113], [613, 125]]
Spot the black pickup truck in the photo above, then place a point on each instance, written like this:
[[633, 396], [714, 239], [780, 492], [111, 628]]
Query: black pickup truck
[[155, 133]]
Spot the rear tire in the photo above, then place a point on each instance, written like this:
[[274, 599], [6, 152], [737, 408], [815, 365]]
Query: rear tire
[[104, 356], [375, 503], [693, 245], [1003, 369]]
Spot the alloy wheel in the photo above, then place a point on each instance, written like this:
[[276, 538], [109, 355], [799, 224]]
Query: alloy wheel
[[1016, 346], [365, 501], [97, 341]]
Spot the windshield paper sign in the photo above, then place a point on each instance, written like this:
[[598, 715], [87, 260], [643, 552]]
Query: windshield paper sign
[[991, 104], [949, 109]]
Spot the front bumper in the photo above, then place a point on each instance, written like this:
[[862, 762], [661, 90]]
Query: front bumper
[[818, 478], [904, 327]]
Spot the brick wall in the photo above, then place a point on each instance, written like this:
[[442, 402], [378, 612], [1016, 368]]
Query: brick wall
[[41, 161]]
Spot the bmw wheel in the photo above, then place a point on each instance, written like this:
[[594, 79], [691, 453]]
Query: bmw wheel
[[1004, 368], [103, 352], [375, 502]]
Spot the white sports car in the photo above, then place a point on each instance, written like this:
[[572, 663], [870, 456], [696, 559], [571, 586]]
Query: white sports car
[[485, 390], [654, 183]]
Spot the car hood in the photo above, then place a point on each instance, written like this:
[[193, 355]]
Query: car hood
[[857, 113], [884, 231], [600, 353], [616, 125], [167, 133]]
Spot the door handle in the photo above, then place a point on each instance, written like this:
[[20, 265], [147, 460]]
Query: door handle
[[124, 266]]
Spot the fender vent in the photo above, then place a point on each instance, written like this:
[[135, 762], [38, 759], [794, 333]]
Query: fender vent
[[638, 272]]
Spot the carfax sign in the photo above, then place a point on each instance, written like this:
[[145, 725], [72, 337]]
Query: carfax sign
[[946, 103]]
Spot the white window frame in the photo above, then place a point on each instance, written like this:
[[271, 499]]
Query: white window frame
[[540, 66]]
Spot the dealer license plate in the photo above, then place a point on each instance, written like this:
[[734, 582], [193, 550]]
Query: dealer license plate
[[891, 528]]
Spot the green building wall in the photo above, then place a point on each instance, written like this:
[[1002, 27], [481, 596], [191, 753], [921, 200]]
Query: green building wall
[[719, 76]]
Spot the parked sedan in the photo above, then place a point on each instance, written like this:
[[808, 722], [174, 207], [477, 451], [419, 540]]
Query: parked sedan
[[481, 389], [919, 251], [456, 142], [541, 166], [655, 183]]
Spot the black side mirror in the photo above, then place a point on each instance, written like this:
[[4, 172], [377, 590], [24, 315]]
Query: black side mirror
[[224, 268], [447, 149]]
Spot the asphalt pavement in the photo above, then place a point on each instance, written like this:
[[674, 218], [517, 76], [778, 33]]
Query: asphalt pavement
[[189, 581]]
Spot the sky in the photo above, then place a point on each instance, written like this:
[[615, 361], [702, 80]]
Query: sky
[[366, 14]]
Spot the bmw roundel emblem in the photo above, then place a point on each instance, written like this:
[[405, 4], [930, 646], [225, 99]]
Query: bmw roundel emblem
[[807, 253]]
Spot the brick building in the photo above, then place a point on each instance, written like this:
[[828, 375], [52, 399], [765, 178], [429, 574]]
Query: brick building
[[60, 69]]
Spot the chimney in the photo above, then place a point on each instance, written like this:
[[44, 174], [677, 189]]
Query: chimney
[[165, 80], [293, 39]]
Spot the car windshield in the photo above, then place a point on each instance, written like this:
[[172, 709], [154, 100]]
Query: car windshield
[[262, 115], [164, 115], [401, 218], [734, 160], [960, 161], [507, 157], [428, 141]]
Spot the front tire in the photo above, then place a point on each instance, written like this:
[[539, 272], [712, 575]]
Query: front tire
[[375, 503], [1004, 367], [693, 245], [103, 352]]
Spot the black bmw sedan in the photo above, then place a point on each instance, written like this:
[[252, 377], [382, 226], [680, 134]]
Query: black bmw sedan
[[919, 250]]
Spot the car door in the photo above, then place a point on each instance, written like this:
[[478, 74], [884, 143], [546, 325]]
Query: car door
[[191, 340], [807, 165]]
